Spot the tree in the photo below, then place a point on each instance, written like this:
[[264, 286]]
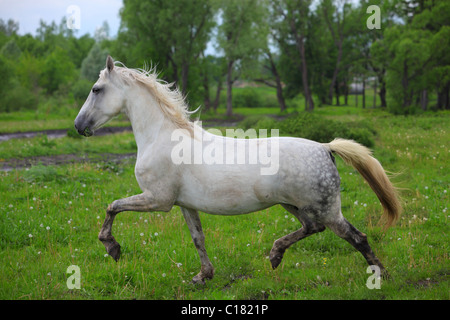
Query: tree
[[212, 71], [94, 62], [9, 28], [240, 36], [57, 71], [173, 33], [340, 24], [293, 16]]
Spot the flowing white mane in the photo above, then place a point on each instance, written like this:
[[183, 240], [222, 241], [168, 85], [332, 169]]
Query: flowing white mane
[[170, 99]]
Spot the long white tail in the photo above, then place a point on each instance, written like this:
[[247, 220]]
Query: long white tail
[[361, 159]]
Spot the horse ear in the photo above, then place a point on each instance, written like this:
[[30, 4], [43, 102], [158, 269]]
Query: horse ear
[[109, 63]]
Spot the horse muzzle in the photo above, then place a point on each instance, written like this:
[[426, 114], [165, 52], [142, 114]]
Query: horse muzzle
[[83, 127]]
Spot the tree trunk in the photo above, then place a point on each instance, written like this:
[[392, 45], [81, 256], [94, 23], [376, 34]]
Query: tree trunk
[[184, 77], [229, 88], [206, 99], [335, 73], [424, 100], [279, 87], [406, 96], [217, 99], [446, 96], [374, 93], [337, 94], [309, 103], [364, 92], [383, 94], [345, 91]]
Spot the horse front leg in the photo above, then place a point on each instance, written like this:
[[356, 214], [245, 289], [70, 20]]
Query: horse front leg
[[143, 202], [195, 228]]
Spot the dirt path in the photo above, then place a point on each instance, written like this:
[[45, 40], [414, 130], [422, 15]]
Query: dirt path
[[59, 133], [11, 164]]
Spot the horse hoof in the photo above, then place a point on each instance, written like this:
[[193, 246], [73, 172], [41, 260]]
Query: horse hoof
[[114, 251], [198, 280], [275, 258], [275, 261]]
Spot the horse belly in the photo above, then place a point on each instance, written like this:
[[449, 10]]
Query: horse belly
[[224, 195]]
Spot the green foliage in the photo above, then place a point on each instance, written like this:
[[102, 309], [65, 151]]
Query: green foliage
[[94, 63], [57, 70], [311, 126], [80, 89], [247, 98], [41, 173]]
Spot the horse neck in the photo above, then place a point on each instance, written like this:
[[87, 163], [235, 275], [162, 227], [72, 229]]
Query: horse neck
[[147, 119]]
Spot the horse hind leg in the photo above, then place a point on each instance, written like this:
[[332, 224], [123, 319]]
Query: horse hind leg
[[309, 227], [358, 240]]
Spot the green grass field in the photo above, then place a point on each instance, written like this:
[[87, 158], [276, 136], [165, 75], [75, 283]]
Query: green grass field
[[50, 218]]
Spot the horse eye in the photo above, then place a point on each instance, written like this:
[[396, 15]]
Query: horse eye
[[96, 90]]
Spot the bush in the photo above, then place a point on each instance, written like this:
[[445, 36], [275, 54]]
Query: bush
[[247, 98], [251, 121], [81, 89], [313, 127]]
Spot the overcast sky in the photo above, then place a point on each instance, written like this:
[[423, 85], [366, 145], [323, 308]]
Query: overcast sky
[[92, 13]]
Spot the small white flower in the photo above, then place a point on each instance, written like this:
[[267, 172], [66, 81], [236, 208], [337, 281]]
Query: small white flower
[[41, 225], [49, 274], [143, 242], [48, 228], [164, 275], [156, 234], [30, 235], [141, 234], [70, 202], [105, 255], [10, 206], [98, 217]]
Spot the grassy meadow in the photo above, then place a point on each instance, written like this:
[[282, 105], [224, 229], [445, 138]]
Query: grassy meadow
[[50, 217]]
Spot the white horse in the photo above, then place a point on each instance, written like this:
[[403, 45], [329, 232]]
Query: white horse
[[305, 180]]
